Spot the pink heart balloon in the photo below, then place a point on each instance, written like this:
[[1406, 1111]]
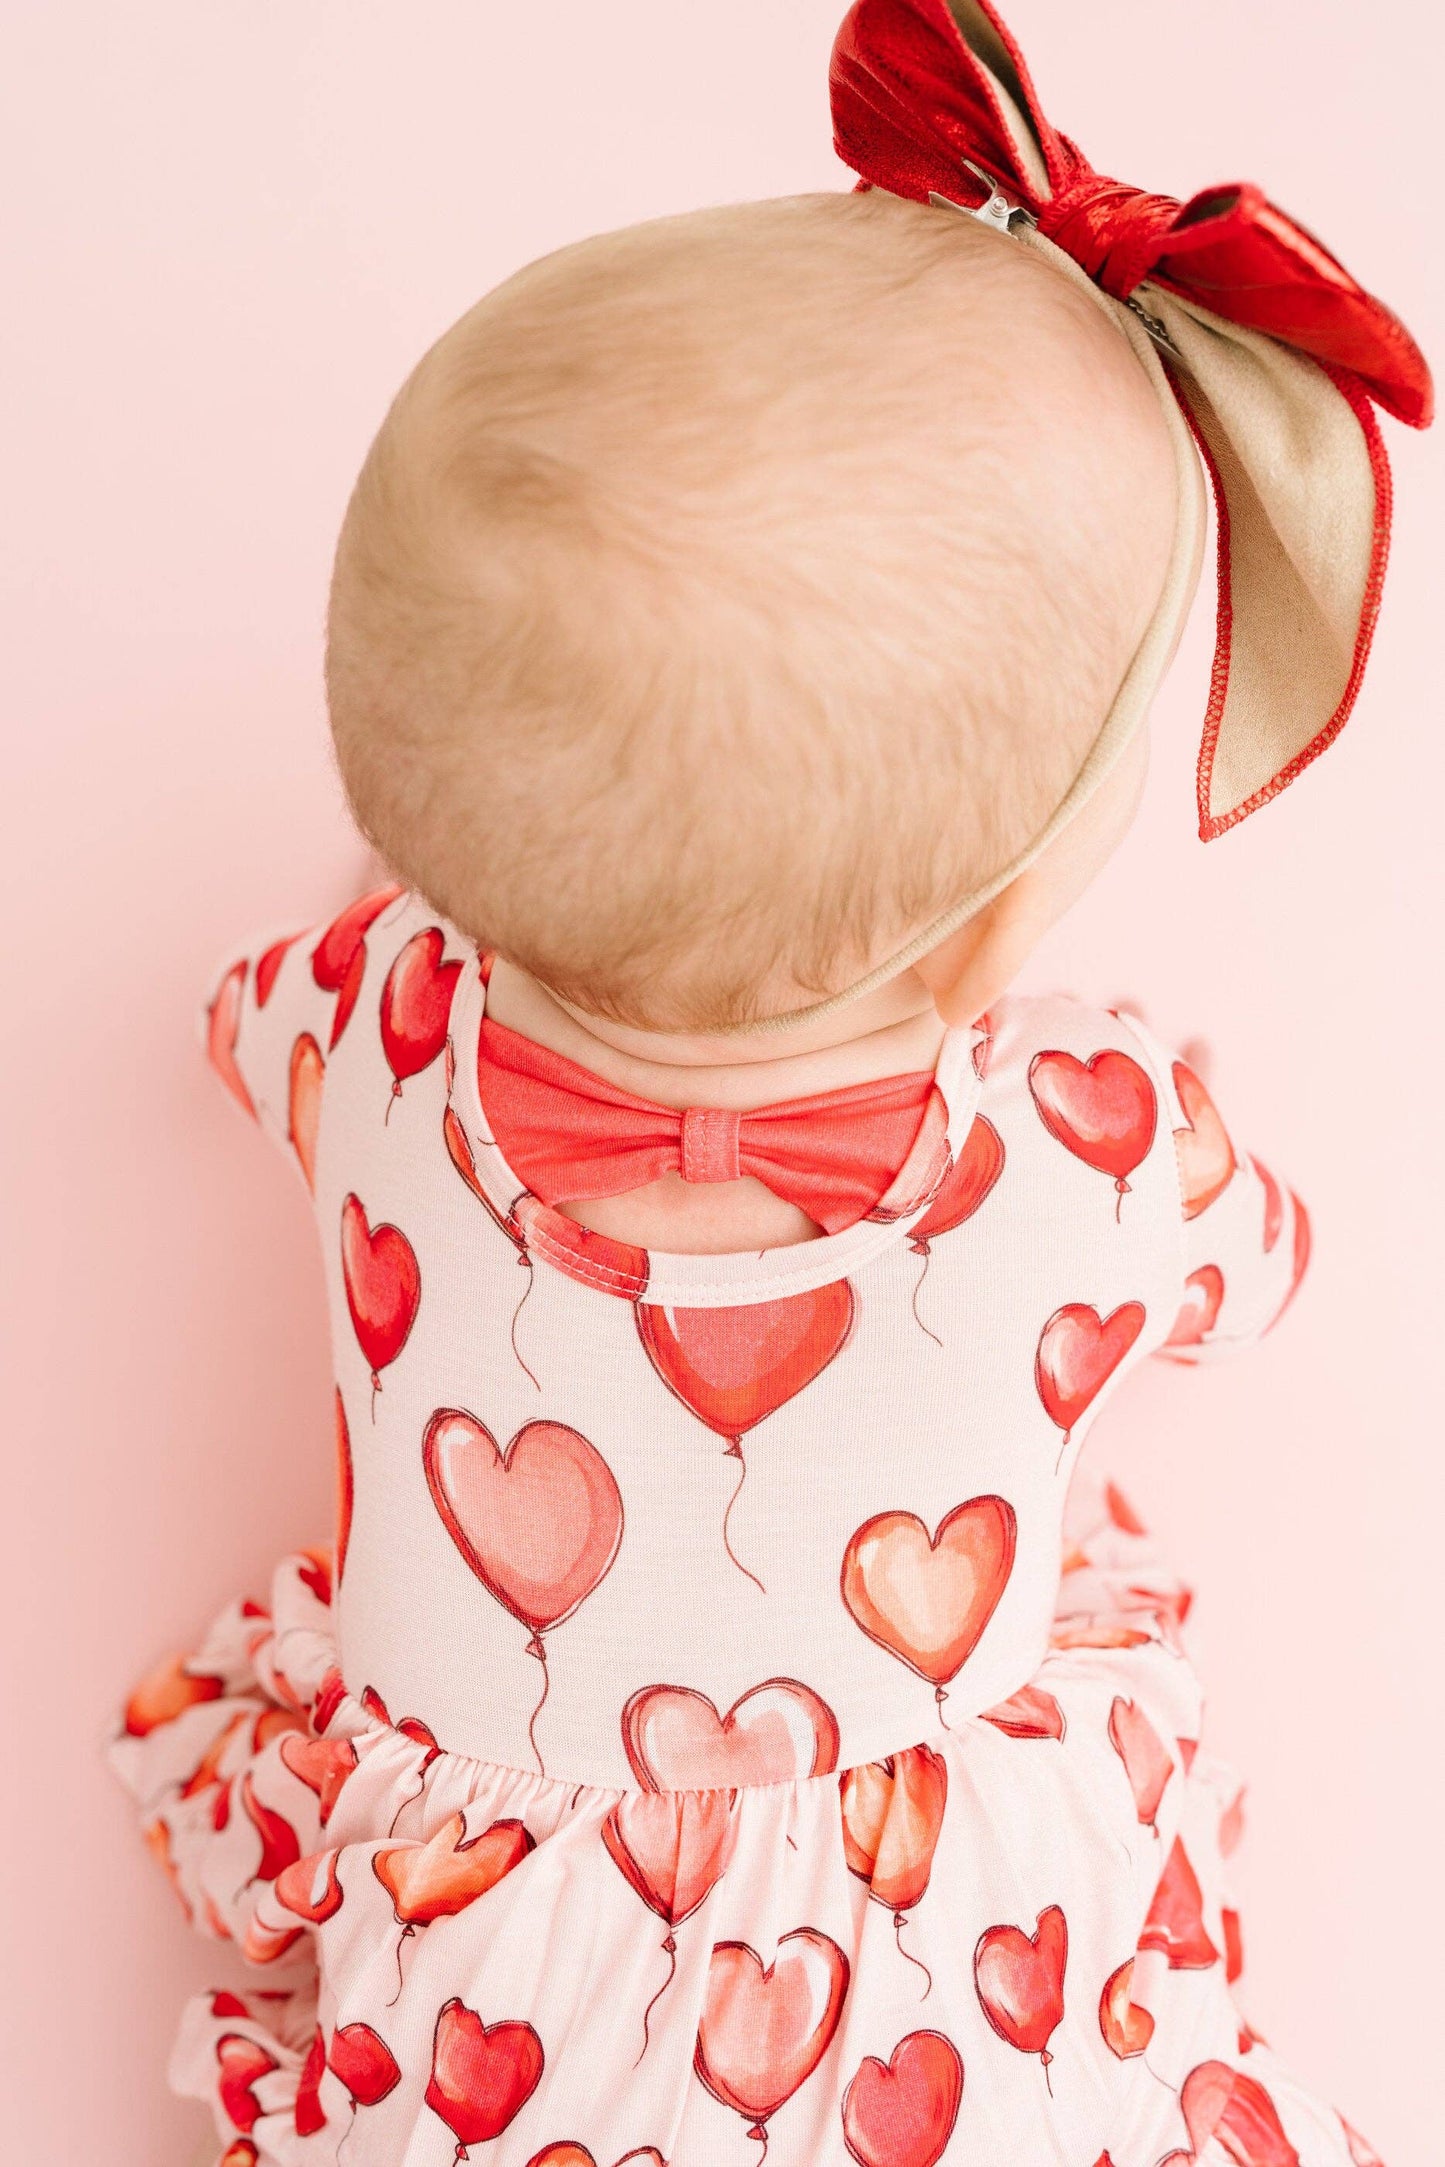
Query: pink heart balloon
[[1078, 1352], [1148, 1762], [779, 1732], [1032, 1712], [539, 1523], [1206, 1156], [1199, 1312], [764, 2030], [927, 1599], [383, 1285], [672, 1848], [306, 1077], [1020, 1981], [223, 1028], [1126, 2024], [268, 967]]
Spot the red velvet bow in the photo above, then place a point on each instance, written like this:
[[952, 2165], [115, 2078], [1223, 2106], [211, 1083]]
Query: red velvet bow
[[913, 108]]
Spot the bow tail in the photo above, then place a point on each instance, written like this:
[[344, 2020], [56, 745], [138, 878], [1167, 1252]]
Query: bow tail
[[1301, 486]]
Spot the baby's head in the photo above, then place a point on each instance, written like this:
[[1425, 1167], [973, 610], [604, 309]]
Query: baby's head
[[724, 598]]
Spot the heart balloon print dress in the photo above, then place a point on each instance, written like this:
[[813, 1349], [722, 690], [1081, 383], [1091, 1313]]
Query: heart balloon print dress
[[726, 1726]]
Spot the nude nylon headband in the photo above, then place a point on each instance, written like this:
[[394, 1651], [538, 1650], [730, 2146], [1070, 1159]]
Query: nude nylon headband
[[1141, 680]]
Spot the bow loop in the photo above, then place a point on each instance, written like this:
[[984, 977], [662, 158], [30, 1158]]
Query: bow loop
[[1275, 354]]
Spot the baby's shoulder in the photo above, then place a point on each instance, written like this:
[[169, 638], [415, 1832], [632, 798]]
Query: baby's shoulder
[[1030, 1036]]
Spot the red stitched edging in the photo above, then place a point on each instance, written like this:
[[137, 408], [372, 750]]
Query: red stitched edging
[[1357, 399]]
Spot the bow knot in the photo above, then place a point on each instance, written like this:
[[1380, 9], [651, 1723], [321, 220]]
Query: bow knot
[[1112, 231]]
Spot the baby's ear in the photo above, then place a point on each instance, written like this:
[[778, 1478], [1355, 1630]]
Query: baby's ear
[[969, 969]]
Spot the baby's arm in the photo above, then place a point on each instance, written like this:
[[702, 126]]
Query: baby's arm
[[277, 1013], [1245, 1236]]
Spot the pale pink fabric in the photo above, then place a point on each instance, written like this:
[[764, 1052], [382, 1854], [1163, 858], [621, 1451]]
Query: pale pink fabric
[[728, 1727]]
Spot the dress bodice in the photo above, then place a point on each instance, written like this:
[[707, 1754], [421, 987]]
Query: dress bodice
[[613, 1514]]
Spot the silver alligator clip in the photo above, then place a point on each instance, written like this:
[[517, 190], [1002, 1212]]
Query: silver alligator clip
[[997, 209]]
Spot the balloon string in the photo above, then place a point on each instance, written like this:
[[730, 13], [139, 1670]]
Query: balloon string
[[386, 1123], [535, 1647], [1046, 2058], [917, 1288], [909, 1957], [758, 2130], [401, 1940], [735, 1452], [940, 1695], [410, 1799], [523, 1258], [1062, 1450], [671, 1947], [1122, 1188], [375, 1388], [350, 2127]]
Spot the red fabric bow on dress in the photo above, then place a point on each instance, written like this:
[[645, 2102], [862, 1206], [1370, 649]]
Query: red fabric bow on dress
[[1271, 349], [569, 1134]]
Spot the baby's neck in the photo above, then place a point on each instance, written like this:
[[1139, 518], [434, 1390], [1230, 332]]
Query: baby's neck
[[890, 1032]]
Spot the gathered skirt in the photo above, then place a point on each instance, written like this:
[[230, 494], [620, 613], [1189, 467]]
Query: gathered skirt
[[1009, 1944]]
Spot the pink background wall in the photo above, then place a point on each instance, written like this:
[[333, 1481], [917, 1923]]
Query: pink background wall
[[238, 227]]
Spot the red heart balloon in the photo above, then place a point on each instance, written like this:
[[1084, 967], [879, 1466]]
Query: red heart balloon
[[1032, 1712], [927, 1599], [539, 1523], [1175, 1924], [338, 961], [1125, 2023], [482, 2075], [672, 1847], [383, 1285], [241, 2064], [901, 2114], [268, 967], [279, 1845], [308, 2113], [416, 1003], [892, 1816], [166, 1693], [1206, 1156], [733, 1367], [439, 1878], [310, 1887], [322, 1764], [1235, 2112], [364, 2063], [306, 1077], [764, 2030], [779, 1732], [1020, 1981], [597, 1260], [345, 1486], [1105, 1110], [965, 1185], [223, 1028], [240, 2154], [1078, 1351], [1147, 1760]]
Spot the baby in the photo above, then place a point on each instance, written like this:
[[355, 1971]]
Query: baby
[[728, 1723]]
